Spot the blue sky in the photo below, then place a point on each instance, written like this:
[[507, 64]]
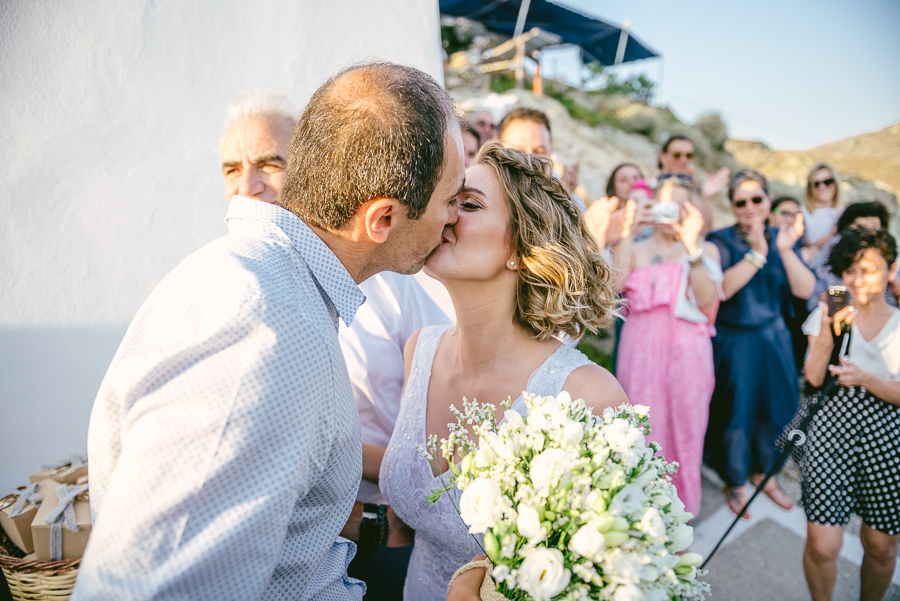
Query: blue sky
[[791, 73]]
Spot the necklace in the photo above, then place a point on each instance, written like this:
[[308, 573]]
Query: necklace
[[658, 257]]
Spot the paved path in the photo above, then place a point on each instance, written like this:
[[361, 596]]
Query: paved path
[[762, 558]]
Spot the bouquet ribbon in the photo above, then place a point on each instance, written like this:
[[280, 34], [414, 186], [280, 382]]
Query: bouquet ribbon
[[74, 460], [63, 514], [29, 494]]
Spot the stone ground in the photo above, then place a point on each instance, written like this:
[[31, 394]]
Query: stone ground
[[762, 557]]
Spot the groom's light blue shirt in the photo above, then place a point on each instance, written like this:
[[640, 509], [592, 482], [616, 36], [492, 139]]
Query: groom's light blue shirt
[[224, 443]]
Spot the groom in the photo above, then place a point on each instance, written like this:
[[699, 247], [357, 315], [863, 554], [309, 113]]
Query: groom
[[224, 441]]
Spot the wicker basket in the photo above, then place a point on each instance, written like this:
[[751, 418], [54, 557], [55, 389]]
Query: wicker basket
[[36, 580]]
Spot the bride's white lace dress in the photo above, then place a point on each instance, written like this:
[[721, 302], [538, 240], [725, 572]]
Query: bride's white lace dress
[[442, 542]]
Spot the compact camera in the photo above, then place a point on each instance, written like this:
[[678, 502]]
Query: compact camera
[[665, 212]]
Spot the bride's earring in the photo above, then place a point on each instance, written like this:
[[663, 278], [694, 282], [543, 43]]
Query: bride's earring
[[512, 264]]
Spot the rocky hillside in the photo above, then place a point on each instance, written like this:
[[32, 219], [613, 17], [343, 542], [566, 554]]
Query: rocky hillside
[[600, 132]]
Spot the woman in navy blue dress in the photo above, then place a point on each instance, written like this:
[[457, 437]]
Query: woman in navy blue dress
[[756, 390]]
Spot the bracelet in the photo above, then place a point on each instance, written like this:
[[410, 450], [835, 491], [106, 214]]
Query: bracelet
[[696, 260], [756, 259]]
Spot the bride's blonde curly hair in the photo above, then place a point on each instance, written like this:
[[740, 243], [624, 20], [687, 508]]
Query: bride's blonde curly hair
[[564, 281]]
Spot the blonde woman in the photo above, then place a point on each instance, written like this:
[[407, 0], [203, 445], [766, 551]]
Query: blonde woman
[[820, 215], [522, 269]]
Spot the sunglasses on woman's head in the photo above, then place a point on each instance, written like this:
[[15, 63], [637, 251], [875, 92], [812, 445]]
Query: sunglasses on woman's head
[[742, 203], [824, 182]]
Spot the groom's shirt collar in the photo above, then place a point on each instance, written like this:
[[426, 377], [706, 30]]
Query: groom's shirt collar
[[338, 289]]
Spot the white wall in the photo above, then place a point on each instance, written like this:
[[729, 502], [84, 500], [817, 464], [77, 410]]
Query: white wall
[[111, 115]]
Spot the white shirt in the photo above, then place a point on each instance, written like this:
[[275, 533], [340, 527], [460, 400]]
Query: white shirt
[[879, 356], [224, 441], [396, 307], [819, 222]]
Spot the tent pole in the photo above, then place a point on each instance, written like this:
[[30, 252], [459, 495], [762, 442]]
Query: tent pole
[[623, 43], [520, 46]]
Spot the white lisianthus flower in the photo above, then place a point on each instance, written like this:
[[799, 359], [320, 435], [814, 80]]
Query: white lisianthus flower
[[485, 456], [647, 477], [652, 523], [682, 538], [477, 503], [528, 522], [628, 592], [543, 574], [572, 433], [588, 541], [550, 469], [627, 501], [514, 419], [656, 594]]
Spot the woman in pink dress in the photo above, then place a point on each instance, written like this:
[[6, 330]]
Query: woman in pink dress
[[665, 354]]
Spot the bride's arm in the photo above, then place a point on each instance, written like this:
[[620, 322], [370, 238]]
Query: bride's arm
[[596, 386]]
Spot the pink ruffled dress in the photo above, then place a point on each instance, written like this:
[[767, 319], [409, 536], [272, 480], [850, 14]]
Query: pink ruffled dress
[[666, 363]]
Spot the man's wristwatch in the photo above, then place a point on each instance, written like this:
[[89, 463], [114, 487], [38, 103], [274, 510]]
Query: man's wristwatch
[[369, 531]]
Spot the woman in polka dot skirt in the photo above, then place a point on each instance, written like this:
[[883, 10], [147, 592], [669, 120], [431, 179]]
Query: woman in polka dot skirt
[[851, 461]]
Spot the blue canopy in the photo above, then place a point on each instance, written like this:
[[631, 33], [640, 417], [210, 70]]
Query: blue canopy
[[598, 39]]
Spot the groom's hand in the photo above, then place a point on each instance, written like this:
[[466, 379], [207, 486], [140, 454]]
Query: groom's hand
[[400, 535], [467, 584]]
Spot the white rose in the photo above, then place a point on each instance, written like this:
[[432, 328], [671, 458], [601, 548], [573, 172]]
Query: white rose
[[528, 522], [477, 503], [628, 592], [627, 501], [543, 574], [550, 469], [588, 541], [682, 538]]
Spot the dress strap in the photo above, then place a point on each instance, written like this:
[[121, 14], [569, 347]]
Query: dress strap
[[423, 359], [549, 378]]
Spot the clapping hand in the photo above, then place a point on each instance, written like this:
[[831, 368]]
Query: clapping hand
[[715, 182], [688, 230], [607, 222], [570, 177], [789, 235], [756, 236]]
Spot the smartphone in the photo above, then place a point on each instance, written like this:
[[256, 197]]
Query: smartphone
[[838, 298]]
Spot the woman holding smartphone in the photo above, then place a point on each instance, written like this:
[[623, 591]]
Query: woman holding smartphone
[[756, 388], [851, 460], [665, 355]]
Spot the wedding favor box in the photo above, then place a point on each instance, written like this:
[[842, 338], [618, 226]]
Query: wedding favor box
[[73, 521], [67, 471], [18, 528]]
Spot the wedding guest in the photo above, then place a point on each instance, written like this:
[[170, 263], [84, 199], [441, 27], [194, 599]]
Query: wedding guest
[[665, 356], [471, 143], [871, 215], [224, 441], [622, 179], [820, 215], [396, 306], [255, 147], [675, 156], [756, 378], [851, 460], [528, 130], [521, 267], [784, 212], [482, 121]]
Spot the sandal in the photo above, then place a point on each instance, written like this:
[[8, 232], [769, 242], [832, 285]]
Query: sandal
[[736, 498], [773, 491]]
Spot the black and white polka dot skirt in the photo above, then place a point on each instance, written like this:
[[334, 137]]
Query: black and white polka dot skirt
[[851, 460]]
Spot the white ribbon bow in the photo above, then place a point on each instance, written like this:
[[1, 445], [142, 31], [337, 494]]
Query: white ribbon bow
[[74, 460], [64, 513], [28, 494]]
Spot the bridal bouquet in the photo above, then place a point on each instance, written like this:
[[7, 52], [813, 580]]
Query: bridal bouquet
[[571, 505]]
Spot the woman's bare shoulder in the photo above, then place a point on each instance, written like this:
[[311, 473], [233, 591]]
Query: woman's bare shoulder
[[596, 386]]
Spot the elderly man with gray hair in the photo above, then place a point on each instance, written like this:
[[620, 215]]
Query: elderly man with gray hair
[[255, 145]]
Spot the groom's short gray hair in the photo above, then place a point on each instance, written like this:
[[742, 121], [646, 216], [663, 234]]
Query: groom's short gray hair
[[373, 130]]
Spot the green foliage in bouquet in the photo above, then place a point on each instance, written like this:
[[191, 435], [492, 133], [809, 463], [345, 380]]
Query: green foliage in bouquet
[[571, 506]]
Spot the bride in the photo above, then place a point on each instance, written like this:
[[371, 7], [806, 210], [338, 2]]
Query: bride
[[522, 271]]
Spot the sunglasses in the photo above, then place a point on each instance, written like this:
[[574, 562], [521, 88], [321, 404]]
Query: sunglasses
[[824, 182], [740, 204], [788, 214], [677, 155], [684, 177]]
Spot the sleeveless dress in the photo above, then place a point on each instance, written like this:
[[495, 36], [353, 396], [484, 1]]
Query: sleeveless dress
[[442, 542], [666, 363]]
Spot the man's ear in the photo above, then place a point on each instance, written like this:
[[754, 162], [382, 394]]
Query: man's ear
[[381, 216]]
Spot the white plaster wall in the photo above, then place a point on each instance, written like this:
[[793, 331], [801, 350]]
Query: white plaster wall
[[111, 116]]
